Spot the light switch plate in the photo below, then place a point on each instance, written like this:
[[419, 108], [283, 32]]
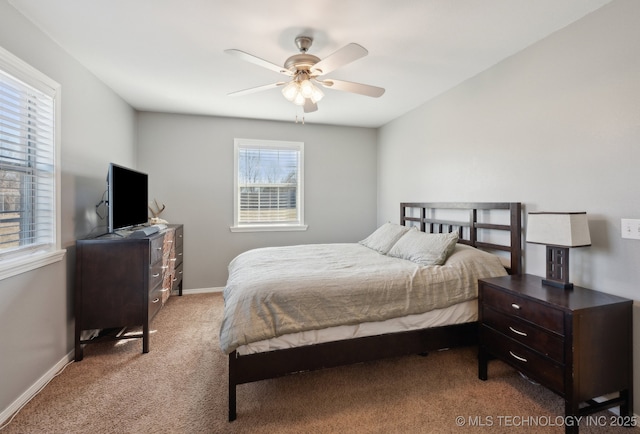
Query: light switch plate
[[630, 228]]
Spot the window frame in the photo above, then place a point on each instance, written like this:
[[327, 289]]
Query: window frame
[[30, 258], [300, 225]]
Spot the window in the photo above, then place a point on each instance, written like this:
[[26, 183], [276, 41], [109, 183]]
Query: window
[[29, 223], [268, 185]]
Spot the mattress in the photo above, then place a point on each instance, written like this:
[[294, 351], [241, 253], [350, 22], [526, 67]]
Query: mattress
[[457, 314]]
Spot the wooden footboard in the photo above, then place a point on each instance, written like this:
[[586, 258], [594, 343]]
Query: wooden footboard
[[271, 364]]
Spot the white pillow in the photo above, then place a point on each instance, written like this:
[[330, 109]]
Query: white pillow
[[425, 249], [383, 238]]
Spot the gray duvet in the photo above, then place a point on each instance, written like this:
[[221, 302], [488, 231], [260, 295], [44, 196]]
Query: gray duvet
[[279, 290]]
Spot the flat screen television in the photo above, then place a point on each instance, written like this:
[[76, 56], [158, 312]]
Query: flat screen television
[[127, 197]]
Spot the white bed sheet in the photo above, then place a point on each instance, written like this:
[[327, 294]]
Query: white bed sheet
[[456, 314]]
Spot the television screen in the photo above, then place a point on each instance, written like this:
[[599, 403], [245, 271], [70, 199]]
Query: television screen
[[127, 197]]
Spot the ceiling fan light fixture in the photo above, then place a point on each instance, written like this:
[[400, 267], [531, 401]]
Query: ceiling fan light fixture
[[300, 89], [306, 88], [290, 90], [317, 94], [299, 99]]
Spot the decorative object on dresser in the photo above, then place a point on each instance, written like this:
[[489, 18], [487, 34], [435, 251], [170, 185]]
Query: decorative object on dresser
[[576, 343], [559, 231], [480, 228], [155, 212], [124, 281]]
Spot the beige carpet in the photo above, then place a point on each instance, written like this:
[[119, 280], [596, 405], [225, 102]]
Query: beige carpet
[[180, 387]]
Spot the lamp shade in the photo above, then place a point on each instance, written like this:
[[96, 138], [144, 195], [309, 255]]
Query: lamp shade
[[570, 229]]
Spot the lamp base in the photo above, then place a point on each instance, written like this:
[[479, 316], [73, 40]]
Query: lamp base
[[557, 284], [558, 267]]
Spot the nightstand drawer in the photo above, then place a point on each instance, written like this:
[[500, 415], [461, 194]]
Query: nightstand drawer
[[542, 341], [535, 366], [537, 313]]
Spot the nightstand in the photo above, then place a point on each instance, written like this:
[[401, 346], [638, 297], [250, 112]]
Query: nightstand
[[576, 342]]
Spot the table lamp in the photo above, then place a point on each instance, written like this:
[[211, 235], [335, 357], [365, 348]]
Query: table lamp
[[558, 231]]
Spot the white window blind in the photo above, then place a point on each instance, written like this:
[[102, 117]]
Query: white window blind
[[268, 184], [27, 168]]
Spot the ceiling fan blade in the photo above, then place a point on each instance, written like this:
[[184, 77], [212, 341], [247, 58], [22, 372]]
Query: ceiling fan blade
[[257, 89], [310, 106], [343, 56], [348, 86], [258, 61]]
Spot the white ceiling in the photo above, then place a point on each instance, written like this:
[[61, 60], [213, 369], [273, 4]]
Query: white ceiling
[[167, 55]]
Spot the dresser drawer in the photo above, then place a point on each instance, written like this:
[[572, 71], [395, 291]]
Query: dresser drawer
[[179, 235], [155, 301], [529, 310], [179, 254], [544, 342], [535, 366], [155, 275], [157, 244], [177, 278]]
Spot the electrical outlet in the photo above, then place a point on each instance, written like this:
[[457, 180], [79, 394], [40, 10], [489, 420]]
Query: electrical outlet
[[630, 228]]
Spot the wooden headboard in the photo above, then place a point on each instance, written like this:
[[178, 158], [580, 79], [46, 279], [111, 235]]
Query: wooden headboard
[[481, 226]]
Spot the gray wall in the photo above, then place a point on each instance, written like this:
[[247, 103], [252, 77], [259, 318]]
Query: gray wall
[[36, 311], [556, 126], [190, 164]]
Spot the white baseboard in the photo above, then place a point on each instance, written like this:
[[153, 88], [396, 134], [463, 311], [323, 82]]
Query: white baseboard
[[202, 290], [35, 388]]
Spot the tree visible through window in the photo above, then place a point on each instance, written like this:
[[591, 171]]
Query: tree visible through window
[[268, 184]]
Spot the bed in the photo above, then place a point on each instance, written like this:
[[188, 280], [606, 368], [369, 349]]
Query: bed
[[339, 304]]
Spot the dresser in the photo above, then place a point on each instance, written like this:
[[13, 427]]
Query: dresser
[[577, 343], [123, 282]]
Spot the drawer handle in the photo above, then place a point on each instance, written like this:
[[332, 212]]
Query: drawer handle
[[158, 248], [156, 275], [164, 289], [156, 300], [175, 279], [180, 254], [173, 259], [180, 272], [518, 332], [522, 359], [515, 306]]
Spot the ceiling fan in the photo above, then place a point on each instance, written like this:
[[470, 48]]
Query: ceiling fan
[[306, 69]]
